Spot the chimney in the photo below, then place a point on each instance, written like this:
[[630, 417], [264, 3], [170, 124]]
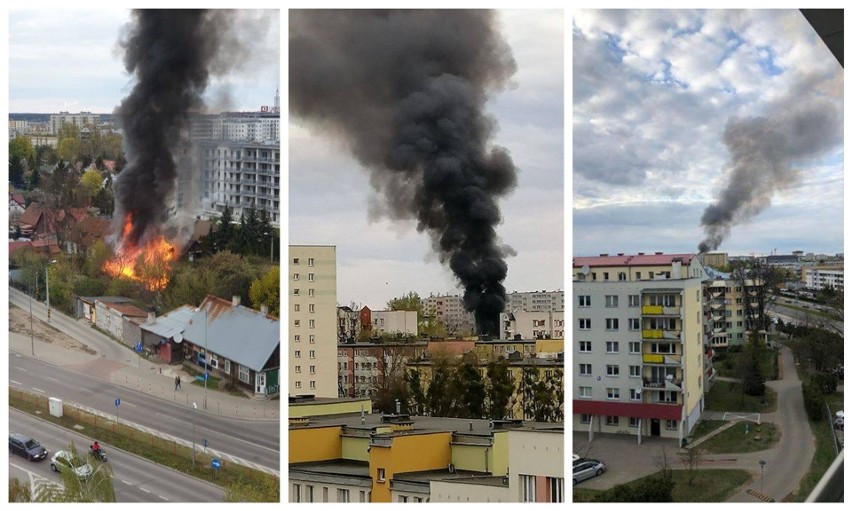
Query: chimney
[[235, 300], [641, 253], [604, 255], [151, 318], [264, 309], [658, 253]]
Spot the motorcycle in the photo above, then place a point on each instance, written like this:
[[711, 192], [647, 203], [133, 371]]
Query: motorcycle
[[99, 454]]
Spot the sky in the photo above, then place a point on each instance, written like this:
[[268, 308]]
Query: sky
[[653, 94], [378, 260], [70, 60]]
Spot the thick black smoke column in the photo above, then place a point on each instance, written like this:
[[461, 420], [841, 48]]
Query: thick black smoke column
[[170, 52], [407, 90], [763, 152]]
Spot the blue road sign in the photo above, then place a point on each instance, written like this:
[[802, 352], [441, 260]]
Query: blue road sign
[[138, 347], [216, 464], [117, 402], [206, 375]]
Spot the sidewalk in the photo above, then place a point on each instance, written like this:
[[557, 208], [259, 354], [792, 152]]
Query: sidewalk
[[144, 376]]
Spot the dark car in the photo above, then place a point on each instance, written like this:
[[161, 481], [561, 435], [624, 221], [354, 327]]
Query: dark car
[[25, 446]]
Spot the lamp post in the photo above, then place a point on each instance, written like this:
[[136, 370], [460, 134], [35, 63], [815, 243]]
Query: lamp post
[[271, 245], [32, 337], [47, 287], [195, 408], [762, 464]]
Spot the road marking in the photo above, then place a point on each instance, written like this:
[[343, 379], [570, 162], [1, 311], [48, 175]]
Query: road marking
[[126, 482], [16, 382], [143, 489], [128, 404], [163, 498], [52, 379], [20, 368], [38, 390]]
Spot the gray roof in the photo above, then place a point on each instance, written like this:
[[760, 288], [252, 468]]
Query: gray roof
[[240, 334], [171, 323]]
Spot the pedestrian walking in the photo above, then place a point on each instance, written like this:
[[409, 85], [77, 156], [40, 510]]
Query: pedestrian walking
[[177, 382]]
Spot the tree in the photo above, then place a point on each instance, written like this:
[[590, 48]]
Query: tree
[[16, 172], [438, 394], [68, 149], [265, 291], [21, 148], [99, 163], [417, 399], [98, 254], [19, 491], [224, 231], [91, 182], [501, 385], [691, 459], [35, 179], [97, 488], [468, 388]]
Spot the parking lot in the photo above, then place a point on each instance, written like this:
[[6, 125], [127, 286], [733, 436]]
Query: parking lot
[[625, 460]]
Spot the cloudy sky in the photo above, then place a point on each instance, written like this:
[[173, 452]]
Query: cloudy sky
[[70, 60], [654, 92], [378, 260]]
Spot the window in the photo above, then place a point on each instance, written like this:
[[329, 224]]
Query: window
[[296, 291], [298, 384], [311, 323], [403, 498], [297, 492], [633, 300], [612, 393], [313, 369], [622, 275], [554, 489], [312, 339], [527, 488], [313, 384], [297, 354], [606, 275], [612, 300], [295, 307], [585, 369], [635, 371], [612, 323], [585, 323], [310, 493], [585, 418], [381, 475], [310, 261], [325, 493], [310, 277], [227, 367], [611, 370], [635, 395], [310, 292], [298, 369], [633, 324], [362, 496], [342, 495], [638, 275], [611, 420], [633, 422], [311, 308], [634, 347], [670, 424], [244, 374], [585, 300], [585, 346], [612, 346], [295, 277], [295, 260], [585, 392], [312, 354]]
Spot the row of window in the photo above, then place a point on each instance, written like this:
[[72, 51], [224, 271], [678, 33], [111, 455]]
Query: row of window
[[298, 354], [296, 277], [622, 276], [313, 369], [297, 261], [309, 495], [634, 347], [358, 379], [555, 487], [632, 323], [297, 291], [612, 370], [362, 365], [311, 338], [614, 420], [297, 307], [311, 323], [614, 393], [313, 384]]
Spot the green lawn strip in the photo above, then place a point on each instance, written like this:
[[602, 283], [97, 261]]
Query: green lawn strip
[[822, 459], [147, 446], [726, 364], [725, 396], [812, 311], [705, 427], [735, 439], [709, 485]]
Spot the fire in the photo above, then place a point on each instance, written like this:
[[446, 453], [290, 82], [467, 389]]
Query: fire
[[156, 258]]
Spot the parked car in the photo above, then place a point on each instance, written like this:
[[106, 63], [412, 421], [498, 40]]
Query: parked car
[[22, 445], [586, 469], [64, 461]]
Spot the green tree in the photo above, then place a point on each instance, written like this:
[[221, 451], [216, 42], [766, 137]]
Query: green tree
[[97, 488], [21, 149], [417, 399], [265, 291], [16, 172], [439, 393], [19, 491], [91, 182], [87, 286], [232, 275], [501, 385], [225, 231], [469, 389], [99, 163], [35, 179], [68, 149], [98, 254], [188, 285]]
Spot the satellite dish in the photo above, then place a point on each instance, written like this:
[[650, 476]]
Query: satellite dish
[[585, 270], [178, 337]]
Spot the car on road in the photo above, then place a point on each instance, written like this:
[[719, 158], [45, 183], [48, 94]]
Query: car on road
[[22, 445], [64, 461], [586, 469]]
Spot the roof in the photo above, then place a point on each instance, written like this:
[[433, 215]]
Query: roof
[[640, 410], [171, 323], [245, 336], [92, 229], [17, 197], [423, 424], [105, 299], [126, 309], [31, 215], [201, 228], [632, 260], [14, 246], [457, 476]]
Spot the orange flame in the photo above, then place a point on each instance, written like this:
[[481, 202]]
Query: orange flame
[[157, 256]]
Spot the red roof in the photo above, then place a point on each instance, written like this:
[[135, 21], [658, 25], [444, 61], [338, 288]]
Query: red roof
[[126, 309], [632, 260], [14, 246], [17, 197], [640, 410]]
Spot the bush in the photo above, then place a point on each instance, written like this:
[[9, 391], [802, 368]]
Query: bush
[[814, 402], [827, 382], [654, 489]]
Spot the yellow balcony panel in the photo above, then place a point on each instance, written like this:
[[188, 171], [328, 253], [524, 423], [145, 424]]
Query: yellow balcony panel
[[649, 358], [652, 309], [652, 334]]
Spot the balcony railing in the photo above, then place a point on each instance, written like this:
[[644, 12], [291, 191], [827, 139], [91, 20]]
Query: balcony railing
[[657, 384], [661, 358]]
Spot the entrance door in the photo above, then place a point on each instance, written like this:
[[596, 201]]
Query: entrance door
[[260, 386], [655, 427]]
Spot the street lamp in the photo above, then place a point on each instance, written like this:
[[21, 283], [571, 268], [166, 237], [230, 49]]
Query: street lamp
[[762, 464], [271, 245], [32, 337], [47, 286], [194, 407]]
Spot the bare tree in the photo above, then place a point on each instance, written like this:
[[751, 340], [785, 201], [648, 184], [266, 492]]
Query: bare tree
[[691, 458]]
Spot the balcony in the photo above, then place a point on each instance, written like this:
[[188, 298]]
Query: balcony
[[659, 310], [666, 384], [661, 359]]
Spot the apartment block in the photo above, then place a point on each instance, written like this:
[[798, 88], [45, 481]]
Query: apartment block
[[726, 309], [821, 277], [535, 301], [532, 325], [312, 339], [638, 344], [450, 311]]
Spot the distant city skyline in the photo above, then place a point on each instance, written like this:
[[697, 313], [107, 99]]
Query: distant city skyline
[[79, 66], [655, 92]]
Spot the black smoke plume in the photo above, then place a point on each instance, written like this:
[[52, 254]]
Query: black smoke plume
[[170, 53], [406, 90], [763, 152]]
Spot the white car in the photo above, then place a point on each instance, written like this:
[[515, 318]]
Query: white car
[[586, 469], [63, 461]]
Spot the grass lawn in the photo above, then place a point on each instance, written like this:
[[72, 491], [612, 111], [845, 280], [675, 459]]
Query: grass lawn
[[735, 439], [725, 396], [706, 427], [726, 364], [710, 485]]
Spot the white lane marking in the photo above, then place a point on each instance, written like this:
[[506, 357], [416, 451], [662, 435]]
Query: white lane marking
[[128, 404], [38, 390], [16, 382], [20, 368], [143, 489], [163, 498], [126, 482], [52, 379]]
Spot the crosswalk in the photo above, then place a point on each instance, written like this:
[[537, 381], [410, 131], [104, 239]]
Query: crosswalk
[[756, 494], [180, 441]]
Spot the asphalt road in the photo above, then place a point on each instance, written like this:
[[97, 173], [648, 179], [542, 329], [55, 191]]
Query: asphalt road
[[135, 479], [253, 441]]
